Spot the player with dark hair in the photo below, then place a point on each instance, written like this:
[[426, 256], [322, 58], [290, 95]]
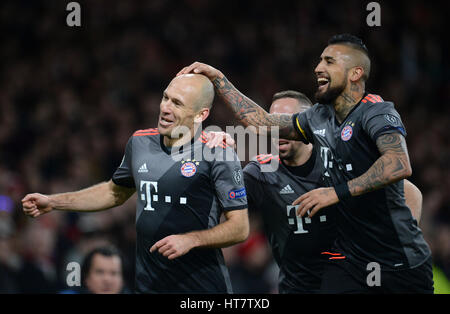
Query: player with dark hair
[[297, 243], [180, 199], [301, 246], [361, 139]]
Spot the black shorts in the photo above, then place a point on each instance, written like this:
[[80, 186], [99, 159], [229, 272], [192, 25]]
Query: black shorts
[[344, 276]]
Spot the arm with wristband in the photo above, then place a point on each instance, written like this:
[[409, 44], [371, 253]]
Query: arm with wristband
[[392, 165]]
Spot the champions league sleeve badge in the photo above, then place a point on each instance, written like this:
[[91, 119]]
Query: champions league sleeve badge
[[189, 168]]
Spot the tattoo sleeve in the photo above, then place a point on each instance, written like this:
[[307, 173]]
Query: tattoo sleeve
[[392, 166], [249, 113]]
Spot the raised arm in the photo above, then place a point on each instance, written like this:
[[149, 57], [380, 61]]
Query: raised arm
[[95, 198], [245, 110], [233, 230]]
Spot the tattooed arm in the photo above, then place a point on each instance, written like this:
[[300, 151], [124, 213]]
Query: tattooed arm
[[246, 111], [393, 165]]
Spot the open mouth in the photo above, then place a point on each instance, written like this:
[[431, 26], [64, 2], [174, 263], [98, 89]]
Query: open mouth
[[322, 82], [165, 122]]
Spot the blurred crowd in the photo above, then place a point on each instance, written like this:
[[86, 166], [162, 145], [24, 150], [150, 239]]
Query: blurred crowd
[[71, 97]]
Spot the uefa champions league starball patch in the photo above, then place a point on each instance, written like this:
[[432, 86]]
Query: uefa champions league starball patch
[[346, 133], [189, 168]]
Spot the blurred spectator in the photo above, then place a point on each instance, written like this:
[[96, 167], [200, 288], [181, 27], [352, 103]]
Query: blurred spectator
[[101, 272]]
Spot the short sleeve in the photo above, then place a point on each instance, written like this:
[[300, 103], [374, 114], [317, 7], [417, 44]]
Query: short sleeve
[[382, 118], [123, 175], [255, 193], [301, 125], [229, 182]]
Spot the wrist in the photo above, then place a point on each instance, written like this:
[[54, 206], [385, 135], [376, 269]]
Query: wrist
[[342, 191], [52, 202], [194, 239], [218, 80]]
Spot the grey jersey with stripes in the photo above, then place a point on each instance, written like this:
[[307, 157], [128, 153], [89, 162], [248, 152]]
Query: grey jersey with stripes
[[179, 193], [376, 226]]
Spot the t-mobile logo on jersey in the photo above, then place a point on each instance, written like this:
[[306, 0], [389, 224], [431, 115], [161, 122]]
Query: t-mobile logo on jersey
[[298, 221], [146, 195], [328, 161]]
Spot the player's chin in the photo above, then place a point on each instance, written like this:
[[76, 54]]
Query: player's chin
[[164, 130], [284, 154]]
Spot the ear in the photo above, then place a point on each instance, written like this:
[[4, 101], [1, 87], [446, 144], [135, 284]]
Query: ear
[[356, 73], [201, 115]]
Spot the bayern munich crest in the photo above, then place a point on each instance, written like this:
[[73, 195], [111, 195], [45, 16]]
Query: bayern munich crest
[[189, 168], [346, 133]]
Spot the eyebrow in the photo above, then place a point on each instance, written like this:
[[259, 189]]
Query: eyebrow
[[328, 58], [175, 100]]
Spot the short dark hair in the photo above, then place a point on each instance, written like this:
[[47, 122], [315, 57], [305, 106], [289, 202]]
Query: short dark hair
[[302, 98], [355, 43], [108, 251], [351, 40]]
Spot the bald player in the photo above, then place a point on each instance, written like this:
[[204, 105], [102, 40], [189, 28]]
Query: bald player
[[361, 139], [180, 198]]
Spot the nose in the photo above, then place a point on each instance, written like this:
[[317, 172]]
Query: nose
[[319, 68], [165, 106]]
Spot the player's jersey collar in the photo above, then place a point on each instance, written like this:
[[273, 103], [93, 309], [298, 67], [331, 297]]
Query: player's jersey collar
[[168, 149], [305, 169], [350, 112]]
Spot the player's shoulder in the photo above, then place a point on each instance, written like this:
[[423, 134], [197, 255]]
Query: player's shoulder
[[375, 101], [262, 159], [374, 104], [318, 111], [253, 168], [146, 132], [144, 137], [372, 99]]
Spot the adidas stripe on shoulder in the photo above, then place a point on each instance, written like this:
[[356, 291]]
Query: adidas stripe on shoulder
[[152, 131], [372, 98]]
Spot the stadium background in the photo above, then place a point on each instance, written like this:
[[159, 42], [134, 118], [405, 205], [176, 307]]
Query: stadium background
[[71, 97]]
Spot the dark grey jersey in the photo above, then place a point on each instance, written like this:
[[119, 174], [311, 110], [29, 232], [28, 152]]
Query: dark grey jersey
[[376, 226], [300, 245], [179, 193]]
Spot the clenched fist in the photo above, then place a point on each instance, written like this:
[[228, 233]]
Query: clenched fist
[[36, 204]]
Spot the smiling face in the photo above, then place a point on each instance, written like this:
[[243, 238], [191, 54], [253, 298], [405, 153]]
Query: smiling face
[[183, 104], [331, 73], [288, 149]]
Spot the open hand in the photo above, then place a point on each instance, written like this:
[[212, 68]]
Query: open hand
[[174, 246], [314, 200], [222, 139], [202, 68]]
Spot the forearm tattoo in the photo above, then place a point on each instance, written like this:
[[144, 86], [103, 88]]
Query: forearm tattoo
[[393, 165], [249, 113]]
